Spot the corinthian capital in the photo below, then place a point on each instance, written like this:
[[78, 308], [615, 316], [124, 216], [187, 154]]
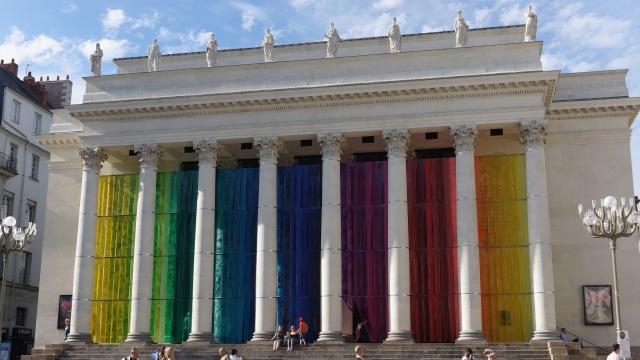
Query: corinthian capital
[[268, 148], [464, 137], [397, 141], [148, 154], [331, 145], [533, 132], [92, 158], [208, 151]]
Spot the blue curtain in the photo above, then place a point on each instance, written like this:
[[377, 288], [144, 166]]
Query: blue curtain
[[235, 258], [299, 207]]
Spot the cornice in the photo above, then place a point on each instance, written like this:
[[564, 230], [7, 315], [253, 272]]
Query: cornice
[[59, 141], [593, 109], [115, 111]]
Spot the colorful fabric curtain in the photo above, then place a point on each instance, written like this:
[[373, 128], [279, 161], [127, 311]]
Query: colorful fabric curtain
[[299, 215], [176, 194], [431, 191], [235, 258], [504, 248], [364, 245], [117, 197]]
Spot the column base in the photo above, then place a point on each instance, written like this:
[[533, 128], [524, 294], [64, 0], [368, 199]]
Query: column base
[[470, 336], [199, 338], [80, 338], [399, 337], [261, 337], [138, 338], [544, 336], [331, 337]]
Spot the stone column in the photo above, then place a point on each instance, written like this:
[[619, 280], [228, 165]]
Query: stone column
[[464, 139], [204, 245], [92, 158], [331, 240], [140, 318], [398, 237], [266, 244], [540, 254]]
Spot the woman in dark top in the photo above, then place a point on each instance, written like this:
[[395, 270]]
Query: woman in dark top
[[278, 338]]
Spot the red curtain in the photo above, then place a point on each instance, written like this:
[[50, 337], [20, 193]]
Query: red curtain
[[432, 249]]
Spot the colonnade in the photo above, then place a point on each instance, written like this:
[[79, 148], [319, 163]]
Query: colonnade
[[399, 319]]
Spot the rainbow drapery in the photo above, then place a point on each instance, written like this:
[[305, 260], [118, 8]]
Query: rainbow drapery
[[364, 245], [235, 259], [431, 194], [504, 248], [117, 197], [176, 194], [299, 216]]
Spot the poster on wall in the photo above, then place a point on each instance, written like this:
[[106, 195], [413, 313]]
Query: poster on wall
[[64, 310], [597, 305]]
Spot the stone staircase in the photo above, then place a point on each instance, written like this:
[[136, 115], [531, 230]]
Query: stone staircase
[[313, 351]]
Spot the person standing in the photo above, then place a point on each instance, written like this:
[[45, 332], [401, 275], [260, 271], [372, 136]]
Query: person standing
[[302, 331], [67, 328], [615, 353]]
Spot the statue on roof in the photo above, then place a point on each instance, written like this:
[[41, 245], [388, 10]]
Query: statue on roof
[[212, 50], [333, 39], [153, 60], [531, 25], [267, 45], [96, 61], [461, 30], [395, 37]]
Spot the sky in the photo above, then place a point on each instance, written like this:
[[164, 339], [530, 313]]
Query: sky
[[51, 37]]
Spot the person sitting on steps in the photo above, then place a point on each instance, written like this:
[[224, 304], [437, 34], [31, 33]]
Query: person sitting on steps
[[278, 338]]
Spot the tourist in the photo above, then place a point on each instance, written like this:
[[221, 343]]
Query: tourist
[[490, 354], [468, 355], [169, 353], [278, 338], [235, 355], [359, 352], [292, 337], [67, 328], [133, 355], [159, 354], [563, 335], [360, 329], [223, 354], [302, 331], [615, 353]]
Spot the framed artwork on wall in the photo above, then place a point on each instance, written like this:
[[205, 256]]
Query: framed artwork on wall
[[64, 310], [598, 309]]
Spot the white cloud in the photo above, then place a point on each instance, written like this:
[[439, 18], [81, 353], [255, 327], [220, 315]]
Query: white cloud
[[426, 28], [301, 4], [372, 26], [512, 15], [481, 16], [174, 42], [384, 5], [69, 7], [113, 18], [111, 48], [591, 30], [148, 21], [250, 14], [41, 49]]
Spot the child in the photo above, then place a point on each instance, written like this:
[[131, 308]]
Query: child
[[291, 338], [302, 330]]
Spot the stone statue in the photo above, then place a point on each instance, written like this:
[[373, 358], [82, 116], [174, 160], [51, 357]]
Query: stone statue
[[394, 37], [267, 45], [153, 61], [461, 30], [212, 50], [531, 25], [333, 39], [96, 61]]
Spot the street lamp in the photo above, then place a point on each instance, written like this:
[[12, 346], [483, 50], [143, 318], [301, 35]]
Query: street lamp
[[12, 239], [610, 221]]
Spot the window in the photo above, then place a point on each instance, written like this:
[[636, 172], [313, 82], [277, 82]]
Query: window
[[35, 166], [25, 272], [15, 112], [7, 203], [13, 154], [31, 211], [37, 123], [21, 316]]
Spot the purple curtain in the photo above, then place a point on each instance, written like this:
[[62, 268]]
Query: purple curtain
[[364, 245]]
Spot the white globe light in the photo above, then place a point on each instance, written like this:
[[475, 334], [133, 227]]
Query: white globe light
[[610, 202], [589, 219], [9, 221]]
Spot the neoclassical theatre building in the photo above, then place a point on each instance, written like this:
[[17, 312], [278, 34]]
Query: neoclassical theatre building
[[428, 194]]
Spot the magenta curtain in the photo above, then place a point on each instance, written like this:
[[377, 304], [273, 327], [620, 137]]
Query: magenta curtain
[[364, 244], [432, 249]]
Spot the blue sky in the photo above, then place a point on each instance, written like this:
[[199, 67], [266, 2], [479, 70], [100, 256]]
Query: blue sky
[[56, 37]]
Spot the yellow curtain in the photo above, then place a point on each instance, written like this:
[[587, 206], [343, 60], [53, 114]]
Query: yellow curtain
[[117, 197], [504, 251]]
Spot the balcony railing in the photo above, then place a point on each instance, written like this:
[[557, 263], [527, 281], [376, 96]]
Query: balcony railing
[[8, 163]]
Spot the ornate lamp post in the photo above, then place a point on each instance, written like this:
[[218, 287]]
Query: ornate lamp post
[[610, 221], [12, 239]]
